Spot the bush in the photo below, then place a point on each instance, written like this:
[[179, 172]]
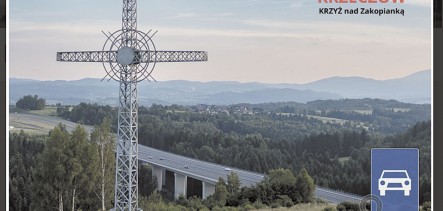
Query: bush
[[195, 203], [181, 200], [248, 207], [285, 201], [275, 205], [217, 208], [258, 205], [426, 206], [341, 207], [155, 205], [329, 209], [155, 197], [348, 206]]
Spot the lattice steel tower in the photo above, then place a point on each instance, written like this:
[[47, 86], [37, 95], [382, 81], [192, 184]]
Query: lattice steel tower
[[129, 56]]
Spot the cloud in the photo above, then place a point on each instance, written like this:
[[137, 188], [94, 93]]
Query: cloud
[[339, 32], [260, 2], [420, 3], [303, 3], [183, 15], [297, 4], [306, 3], [289, 48]]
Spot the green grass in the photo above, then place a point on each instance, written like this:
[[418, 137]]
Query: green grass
[[48, 111], [13, 109], [339, 121], [328, 119], [37, 122], [19, 122]]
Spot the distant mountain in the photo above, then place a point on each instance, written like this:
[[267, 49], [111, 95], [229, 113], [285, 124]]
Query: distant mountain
[[268, 95], [415, 88]]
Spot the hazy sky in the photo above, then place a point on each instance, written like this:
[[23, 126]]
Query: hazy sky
[[276, 41]]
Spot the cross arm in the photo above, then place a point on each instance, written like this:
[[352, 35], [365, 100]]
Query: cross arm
[[176, 56], [140, 56], [87, 56]]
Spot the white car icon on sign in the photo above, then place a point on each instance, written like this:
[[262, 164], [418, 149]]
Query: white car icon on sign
[[394, 180]]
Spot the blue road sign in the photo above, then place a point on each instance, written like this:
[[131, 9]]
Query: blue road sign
[[394, 179]]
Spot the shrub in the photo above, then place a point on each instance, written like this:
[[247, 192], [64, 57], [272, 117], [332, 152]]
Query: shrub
[[248, 207], [426, 206], [275, 205], [329, 209], [348, 206], [258, 205], [285, 201]]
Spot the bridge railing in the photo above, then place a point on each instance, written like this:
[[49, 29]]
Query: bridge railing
[[341, 191]]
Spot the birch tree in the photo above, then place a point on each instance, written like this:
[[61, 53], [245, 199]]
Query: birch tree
[[50, 175], [84, 162], [105, 145]]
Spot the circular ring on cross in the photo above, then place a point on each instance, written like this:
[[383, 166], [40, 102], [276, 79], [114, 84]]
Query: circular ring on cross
[[129, 55], [368, 200]]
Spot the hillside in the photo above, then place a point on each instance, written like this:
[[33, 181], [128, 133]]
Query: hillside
[[414, 88]]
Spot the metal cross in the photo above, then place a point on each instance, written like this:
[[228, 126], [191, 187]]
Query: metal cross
[[129, 56]]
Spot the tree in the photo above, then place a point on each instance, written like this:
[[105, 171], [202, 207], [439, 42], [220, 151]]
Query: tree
[[281, 176], [30, 102], [23, 152], [233, 185], [277, 183], [305, 185], [17, 184], [89, 114], [51, 179], [147, 183], [102, 137], [65, 172], [84, 162], [221, 193]]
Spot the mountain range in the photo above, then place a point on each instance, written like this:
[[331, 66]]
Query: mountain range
[[414, 88]]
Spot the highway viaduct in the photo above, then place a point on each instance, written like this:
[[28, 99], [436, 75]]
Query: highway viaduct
[[187, 176]]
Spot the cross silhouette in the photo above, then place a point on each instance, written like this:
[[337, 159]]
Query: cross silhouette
[[129, 56]]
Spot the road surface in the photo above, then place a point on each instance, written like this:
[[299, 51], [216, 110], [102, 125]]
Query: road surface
[[210, 172]]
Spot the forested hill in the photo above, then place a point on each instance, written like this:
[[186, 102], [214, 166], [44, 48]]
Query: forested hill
[[331, 139], [335, 151], [414, 88], [335, 155], [277, 121]]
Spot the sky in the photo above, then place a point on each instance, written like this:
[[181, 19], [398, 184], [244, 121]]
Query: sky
[[270, 41]]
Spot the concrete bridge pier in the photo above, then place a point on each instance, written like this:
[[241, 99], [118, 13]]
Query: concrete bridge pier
[[207, 190], [180, 185], [158, 172]]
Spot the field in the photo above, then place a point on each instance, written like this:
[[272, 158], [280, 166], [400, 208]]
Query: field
[[37, 122], [340, 121], [364, 112], [401, 109], [328, 119]]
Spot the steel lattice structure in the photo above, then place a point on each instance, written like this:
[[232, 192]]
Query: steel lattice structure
[[142, 56], [129, 56]]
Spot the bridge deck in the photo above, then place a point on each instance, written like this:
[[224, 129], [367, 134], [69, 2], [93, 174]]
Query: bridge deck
[[205, 171], [210, 172]]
